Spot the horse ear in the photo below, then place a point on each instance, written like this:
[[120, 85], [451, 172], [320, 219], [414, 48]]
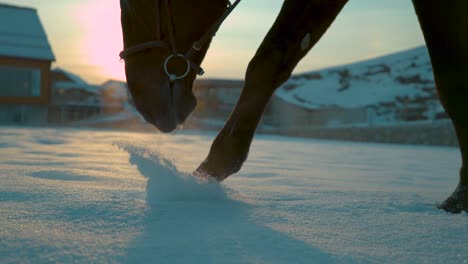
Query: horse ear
[[124, 5], [124, 18]]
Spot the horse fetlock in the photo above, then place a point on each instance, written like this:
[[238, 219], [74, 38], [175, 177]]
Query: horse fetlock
[[226, 157], [233, 144], [457, 202], [464, 176]]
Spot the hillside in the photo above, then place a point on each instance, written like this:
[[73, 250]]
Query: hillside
[[398, 86]]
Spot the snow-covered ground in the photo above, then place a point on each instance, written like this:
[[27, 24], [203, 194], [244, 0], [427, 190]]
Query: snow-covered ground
[[95, 197]]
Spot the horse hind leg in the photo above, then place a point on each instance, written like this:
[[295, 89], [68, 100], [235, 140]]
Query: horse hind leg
[[445, 28]]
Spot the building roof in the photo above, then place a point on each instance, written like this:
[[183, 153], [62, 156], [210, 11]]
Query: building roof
[[72, 81], [70, 77], [115, 88], [22, 34]]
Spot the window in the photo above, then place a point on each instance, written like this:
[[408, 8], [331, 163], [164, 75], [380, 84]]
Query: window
[[16, 81]]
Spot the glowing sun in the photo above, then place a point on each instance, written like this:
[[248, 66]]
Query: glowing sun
[[100, 20]]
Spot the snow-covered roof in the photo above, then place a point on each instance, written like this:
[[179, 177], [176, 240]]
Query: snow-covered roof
[[22, 34], [70, 85], [112, 82], [71, 76], [367, 83], [75, 82], [116, 89]]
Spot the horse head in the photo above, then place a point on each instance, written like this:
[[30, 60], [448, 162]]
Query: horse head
[[162, 53]]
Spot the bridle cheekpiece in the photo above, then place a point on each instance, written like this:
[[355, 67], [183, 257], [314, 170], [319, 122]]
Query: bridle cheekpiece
[[187, 56]]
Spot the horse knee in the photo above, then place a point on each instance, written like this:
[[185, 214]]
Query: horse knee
[[452, 88], [270, 68]]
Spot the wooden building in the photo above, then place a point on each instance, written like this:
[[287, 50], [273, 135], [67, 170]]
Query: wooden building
[[25, 61], [216, 100], [115, 97], [289, 115], [72, 98], [217, 97]]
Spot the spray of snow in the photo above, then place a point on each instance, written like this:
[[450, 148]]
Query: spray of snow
[[166, 182]]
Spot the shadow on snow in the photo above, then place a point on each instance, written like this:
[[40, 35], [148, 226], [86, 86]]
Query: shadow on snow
[[189, 221]]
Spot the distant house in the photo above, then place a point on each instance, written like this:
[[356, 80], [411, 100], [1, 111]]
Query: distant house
[[289, 115], [217, 97], [115, 96], [25, 60], [72, 98]]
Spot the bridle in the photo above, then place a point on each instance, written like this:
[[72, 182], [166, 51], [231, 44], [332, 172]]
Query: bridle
[[187, 56]]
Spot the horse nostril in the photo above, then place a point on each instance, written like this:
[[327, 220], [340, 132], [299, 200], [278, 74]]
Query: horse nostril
[[152, 96], [163, 122]]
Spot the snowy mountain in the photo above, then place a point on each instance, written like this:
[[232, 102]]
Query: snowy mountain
[[398, 86]]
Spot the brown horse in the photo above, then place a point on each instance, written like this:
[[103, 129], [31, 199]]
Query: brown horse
[[165, 42]]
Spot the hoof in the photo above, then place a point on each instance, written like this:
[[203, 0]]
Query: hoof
[[205, 176], [213, 172], [457, 202]]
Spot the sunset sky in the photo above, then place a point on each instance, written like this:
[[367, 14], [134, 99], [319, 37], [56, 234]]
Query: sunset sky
[[86, 36]]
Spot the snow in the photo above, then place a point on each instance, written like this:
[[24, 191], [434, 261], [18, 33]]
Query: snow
[[369, 82], [75, 82], [71, 76], [115, 89], [22, 34], [121, 116], [90, 196]]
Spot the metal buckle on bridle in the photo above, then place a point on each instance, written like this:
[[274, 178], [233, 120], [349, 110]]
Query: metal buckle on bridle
[[159, 43], [174, 76], [196, 46]]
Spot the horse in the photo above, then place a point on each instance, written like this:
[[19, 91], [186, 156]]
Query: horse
[[165, 42]]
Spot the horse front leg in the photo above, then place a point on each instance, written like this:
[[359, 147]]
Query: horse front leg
[[445, 28], [298, 27]]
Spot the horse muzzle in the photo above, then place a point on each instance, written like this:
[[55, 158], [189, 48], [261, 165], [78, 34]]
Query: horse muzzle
[[162, 102]]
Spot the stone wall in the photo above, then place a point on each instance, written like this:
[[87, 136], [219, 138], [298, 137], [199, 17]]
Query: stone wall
[[421, 133], [284, 114]]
